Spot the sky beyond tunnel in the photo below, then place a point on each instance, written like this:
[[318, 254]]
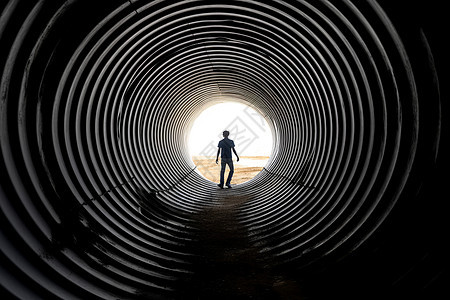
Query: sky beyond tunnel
[[248, 129]]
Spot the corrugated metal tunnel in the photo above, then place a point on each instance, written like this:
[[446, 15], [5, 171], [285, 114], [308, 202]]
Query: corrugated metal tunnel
[[98, 191]]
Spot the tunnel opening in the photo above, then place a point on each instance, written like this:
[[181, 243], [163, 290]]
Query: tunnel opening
[[100, 197], [249, 130]]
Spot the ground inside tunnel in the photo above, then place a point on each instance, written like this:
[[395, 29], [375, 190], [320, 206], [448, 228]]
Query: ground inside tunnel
[[227, 264]]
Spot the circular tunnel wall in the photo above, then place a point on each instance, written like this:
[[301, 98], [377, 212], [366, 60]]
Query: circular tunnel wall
[[98, 190]]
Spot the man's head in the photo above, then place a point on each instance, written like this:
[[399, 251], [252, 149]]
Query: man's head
[[226, 133]]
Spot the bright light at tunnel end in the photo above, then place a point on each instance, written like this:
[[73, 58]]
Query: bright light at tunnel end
[[248, 129]]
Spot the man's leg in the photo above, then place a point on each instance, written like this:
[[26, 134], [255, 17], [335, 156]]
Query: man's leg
[[223, 165], [230, 175]]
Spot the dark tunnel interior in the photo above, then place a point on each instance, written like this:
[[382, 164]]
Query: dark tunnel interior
[[101, 200]]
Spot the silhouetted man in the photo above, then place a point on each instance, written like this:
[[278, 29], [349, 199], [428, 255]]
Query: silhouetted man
[[225, 159]]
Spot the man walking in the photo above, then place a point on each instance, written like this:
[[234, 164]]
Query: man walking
[[225, 159]]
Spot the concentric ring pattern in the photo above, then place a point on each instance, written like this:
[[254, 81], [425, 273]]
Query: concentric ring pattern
[[98, 190]]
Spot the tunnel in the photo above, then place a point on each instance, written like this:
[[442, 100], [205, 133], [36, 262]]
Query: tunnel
[[101, 200]]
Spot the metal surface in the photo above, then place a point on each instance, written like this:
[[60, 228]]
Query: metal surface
[[97, 187]]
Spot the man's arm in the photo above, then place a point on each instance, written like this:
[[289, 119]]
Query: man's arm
[[237, 156], [217, 157]]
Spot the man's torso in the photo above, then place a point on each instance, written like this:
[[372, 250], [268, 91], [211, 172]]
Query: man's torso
[[226, 145]]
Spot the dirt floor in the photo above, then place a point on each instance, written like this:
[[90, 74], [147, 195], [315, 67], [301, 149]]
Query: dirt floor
[[228, 266], [244, 170]]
